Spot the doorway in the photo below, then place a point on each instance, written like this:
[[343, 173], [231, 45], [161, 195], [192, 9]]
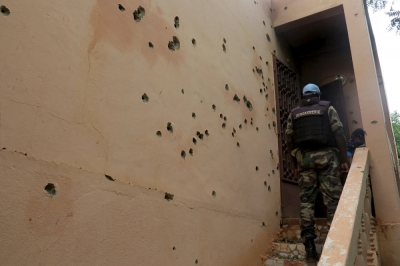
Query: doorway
[[288, 95]]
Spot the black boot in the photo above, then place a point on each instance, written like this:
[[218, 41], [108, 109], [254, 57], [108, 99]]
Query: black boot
[[311, 252]]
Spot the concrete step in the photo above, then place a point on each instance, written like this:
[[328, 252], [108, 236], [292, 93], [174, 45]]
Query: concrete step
[[288, 248], [290, 230]]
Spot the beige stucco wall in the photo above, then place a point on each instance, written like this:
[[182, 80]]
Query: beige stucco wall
[[389, 241], [73, 75]]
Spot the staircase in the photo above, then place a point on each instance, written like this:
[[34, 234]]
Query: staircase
[[288, 248]]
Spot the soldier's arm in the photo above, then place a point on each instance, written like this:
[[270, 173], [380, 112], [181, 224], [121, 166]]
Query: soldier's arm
[[341, 142], [337, 128]]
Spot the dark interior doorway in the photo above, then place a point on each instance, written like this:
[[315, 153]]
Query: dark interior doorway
[[315, 43], [287, 97]]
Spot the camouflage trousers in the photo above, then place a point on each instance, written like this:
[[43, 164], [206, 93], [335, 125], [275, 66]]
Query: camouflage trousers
[[319, 170]]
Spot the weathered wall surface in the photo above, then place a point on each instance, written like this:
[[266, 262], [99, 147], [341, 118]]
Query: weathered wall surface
[[88, 90], [389, 241]]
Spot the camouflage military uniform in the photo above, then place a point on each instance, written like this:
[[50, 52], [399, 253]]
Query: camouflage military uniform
[[318, 170]]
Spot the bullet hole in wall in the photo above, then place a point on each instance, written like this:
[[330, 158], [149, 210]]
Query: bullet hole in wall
[[269, 188], [266, 63], [273, 124], [194, 141], [183, 91], [193, 115], [374, 122], [224, 118], [173, 248], [206, 132], [224, 40], [121, 8], [201, 136], [245, 121], [168, 196], [266, 97], [269, 125], [261, 90], [214, 107], [240, 126], [145, 98], [50, 189], [183, 154], [138, 14], [221, 115], [169, 127], [273, 110], [159, 133], [257, 128], [264, 22], [233, 134], [263, 224], [254, 70], [238, 144], [276, 213], [285, 8], [198, 133], [194, 42], [223, 125], [265, 183], [226, 87], [234, 130], [191, 151], [109, 177], [256, 168], [273, 172], [4, 10], [174, 44], [196, 261], [236, 98], [259, 71], [223, 48], [272, 154], [268, 38], [254, 48], [260, 58], [214, 194], [249, 105], [176, 24]]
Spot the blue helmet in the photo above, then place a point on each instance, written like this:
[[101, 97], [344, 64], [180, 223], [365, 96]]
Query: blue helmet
[[311, 89]]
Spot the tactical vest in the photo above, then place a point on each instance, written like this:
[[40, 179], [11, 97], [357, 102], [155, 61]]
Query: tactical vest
[[311, 125]]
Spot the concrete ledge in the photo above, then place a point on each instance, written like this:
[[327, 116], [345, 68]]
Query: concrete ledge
[[341, 244]]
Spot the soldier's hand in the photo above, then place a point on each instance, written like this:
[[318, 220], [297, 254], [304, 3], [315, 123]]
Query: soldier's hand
[[344, 167]]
